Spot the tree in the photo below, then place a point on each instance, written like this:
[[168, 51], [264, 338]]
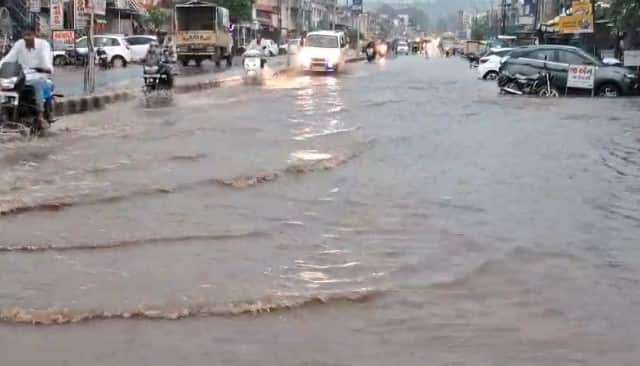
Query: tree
[[625, 13], [480, 29], [156, 18], [238, 9]]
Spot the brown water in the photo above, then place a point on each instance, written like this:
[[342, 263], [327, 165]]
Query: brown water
[[397, 213]]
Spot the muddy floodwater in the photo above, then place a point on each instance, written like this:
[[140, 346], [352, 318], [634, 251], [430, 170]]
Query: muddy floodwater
[[399, 213]]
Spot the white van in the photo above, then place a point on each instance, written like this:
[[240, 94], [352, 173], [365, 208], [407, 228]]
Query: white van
[[323, 51]]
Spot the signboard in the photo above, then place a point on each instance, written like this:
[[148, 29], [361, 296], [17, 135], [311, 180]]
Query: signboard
[[581, 76], [79, 14], [63, 39], [632, 58], [120, 4], [57, 14], [34, 6], [580, 20], [100, 7], [356, 6]]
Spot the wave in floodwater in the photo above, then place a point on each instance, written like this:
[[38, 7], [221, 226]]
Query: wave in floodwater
[[128, 243], [277, 302]]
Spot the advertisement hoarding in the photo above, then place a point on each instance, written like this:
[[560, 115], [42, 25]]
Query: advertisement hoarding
[[63, 39], [580, 20], [56, 8]]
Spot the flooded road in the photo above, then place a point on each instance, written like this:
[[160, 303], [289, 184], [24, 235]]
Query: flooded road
[[399, 213]]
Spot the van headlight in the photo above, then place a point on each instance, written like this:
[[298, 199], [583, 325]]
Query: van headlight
[[630, 76], [9, 83]]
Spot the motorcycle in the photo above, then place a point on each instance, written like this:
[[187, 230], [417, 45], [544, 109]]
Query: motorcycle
[[18, 111], [76, 58], [158, 75], [536, 84], [102, 58], [253, 63]]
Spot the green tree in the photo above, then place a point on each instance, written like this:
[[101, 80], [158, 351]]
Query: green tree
[[625, 13], [238, 9], [480, 29], [156, 18]]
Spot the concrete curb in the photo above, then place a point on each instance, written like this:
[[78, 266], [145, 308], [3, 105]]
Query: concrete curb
[[83, 104], [73, 105]]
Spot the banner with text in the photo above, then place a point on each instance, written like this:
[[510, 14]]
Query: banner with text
[[581, 76], [356, 6], [34, 6], [79, 14], [632, 58], [580, 20], [56, 7], [63, 39]]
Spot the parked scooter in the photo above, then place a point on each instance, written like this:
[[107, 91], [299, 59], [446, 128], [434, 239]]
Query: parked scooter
[[536, 84], [18, 111], [253, 63]]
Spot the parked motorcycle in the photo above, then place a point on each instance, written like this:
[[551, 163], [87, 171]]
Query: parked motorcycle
[[536, 84], [18, 111], [253, 63]]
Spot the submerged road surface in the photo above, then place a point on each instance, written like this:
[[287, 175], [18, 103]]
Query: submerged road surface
[[397, 214]]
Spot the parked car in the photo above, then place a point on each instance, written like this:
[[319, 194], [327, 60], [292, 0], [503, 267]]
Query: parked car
[[609, 80], [489, 65], [293, 46], [60, 58], [118, 50], [272, 47], [402, 48], [139, 45]]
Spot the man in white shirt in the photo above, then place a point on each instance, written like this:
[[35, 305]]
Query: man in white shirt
[[34, 54]]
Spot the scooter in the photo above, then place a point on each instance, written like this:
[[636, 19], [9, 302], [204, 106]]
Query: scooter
[[253, 63], [18, 110], [102, 58]]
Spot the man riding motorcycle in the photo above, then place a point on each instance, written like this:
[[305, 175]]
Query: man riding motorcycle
[[34, 54]]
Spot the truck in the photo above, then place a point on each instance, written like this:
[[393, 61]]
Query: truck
[[202, 33]]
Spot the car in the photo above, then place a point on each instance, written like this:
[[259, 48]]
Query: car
[[609, 80], [402, 48], [272, 47], [489, 64], [139, 45], [60, 58], [293, 46], [117, 48], [323, 51]]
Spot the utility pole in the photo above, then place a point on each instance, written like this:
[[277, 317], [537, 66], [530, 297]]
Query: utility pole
[[504, 17], [279, 22], [335, 13], [90, 70]]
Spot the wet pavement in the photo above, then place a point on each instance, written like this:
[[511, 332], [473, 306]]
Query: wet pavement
[[399, 213]]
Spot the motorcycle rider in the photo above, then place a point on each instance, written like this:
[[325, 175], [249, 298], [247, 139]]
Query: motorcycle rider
[[256, 44], [33, 54], [156, 56]]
